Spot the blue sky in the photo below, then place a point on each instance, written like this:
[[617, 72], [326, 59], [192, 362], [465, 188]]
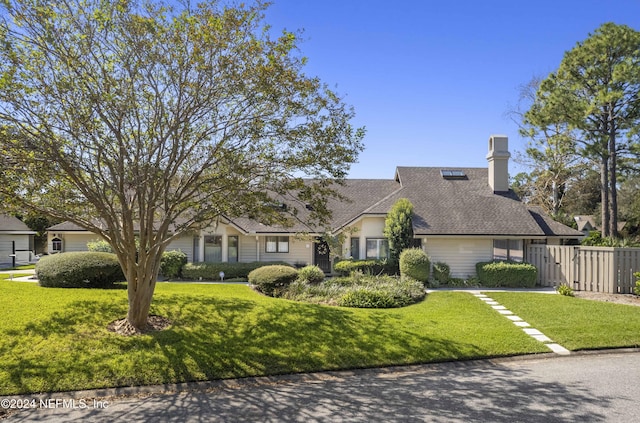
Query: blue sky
[[431, 81]]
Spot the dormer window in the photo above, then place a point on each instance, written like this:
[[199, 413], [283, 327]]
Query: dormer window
[[453, 174]]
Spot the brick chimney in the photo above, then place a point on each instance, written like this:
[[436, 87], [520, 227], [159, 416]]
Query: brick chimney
[[498, 159]]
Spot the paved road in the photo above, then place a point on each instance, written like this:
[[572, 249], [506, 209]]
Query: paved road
[[578, 388]]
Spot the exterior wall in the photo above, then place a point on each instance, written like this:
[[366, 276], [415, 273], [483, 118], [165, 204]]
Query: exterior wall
[[249, 249], [300, 251], [22, 241], [183, 243], [461, 254], [368, 227], [71, 241], [22, 253]]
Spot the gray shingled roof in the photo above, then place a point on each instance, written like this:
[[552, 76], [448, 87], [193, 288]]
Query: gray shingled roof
[[459, 207], [13, 224]]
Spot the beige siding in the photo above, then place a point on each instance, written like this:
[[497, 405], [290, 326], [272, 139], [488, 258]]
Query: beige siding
[[21, 241], [183, 243], [248, 249], [461, 254], [300, 251], [368, 227], [22, 255], [76, 242]]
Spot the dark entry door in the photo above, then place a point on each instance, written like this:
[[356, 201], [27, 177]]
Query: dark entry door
[[321, 256]]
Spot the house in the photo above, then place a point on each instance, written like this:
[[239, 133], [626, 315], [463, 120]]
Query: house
[[16, 242], [461, 216], [587, 223]]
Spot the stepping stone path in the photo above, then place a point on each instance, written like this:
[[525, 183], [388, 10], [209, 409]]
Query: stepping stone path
[[526, 327]]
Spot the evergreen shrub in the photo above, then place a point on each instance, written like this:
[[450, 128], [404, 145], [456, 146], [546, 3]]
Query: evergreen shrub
[[86, 269], [506, 274]]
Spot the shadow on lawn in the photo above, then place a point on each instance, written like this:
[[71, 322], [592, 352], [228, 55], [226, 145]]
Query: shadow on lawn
[[240, 338], [212, 337]]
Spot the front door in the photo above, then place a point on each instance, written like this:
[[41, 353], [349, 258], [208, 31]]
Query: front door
[[321, 256]]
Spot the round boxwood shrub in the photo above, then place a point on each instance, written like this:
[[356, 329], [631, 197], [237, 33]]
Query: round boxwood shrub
[[311, 274], [79, 270], [414, 263], [172, 263], [272, 280]]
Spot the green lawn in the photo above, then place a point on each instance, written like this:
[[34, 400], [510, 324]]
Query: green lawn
[[574, 323], [56, 339]]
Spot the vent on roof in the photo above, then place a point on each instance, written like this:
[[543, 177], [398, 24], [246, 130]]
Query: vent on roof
[[453, 174]]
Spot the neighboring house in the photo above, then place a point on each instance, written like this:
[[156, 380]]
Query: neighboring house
[[587, 223], [16, 242], [461, 216]]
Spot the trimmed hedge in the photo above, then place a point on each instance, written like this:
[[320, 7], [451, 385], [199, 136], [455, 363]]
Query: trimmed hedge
[[172, 263], [368, 267], [311, 274], [211, 271], [507, 274], [415, 264], [272, 280], [85, 269]]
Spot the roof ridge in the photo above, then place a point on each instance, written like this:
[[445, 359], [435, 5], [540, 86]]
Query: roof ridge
[[386, 197]]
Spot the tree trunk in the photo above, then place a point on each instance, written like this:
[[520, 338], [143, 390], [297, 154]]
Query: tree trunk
[[604, 196], [141, 276], [613, 189]]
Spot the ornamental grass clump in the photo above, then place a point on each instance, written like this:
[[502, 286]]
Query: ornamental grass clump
[[311, 274]]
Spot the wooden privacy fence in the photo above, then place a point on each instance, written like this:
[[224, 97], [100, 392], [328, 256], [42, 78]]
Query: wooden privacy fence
[[597, 269]]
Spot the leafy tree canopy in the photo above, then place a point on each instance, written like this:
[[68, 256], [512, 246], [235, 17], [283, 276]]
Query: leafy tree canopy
[[138, 120]]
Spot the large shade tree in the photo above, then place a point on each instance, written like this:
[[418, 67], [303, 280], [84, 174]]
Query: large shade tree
[[596, 94], [140, 122]]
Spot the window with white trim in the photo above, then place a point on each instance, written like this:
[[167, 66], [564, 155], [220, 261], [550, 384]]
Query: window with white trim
[[56, 245], [277, 244], [377, 248]]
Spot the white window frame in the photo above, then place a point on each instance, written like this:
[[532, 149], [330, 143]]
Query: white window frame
[[379, 241], [276, 244]]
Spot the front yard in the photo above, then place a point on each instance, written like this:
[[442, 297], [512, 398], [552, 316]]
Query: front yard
[[54, 339]]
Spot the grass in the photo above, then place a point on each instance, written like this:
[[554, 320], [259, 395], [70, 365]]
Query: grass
[[22, 267], [54, 339], [8, 276], [576, 324]]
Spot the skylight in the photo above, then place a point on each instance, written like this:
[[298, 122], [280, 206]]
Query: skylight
[[453, 174]]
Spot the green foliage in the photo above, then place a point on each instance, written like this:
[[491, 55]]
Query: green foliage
[[398, 229], [595, 101], [99, 245], [366, 298], [507, 274], [595, 239], [368, 267], [415, 264], [79, 270], [636, 289], [211, 271], [272, 280], [172, 263], [565, 290], [441, 272], [131, 105], [311, 274]]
